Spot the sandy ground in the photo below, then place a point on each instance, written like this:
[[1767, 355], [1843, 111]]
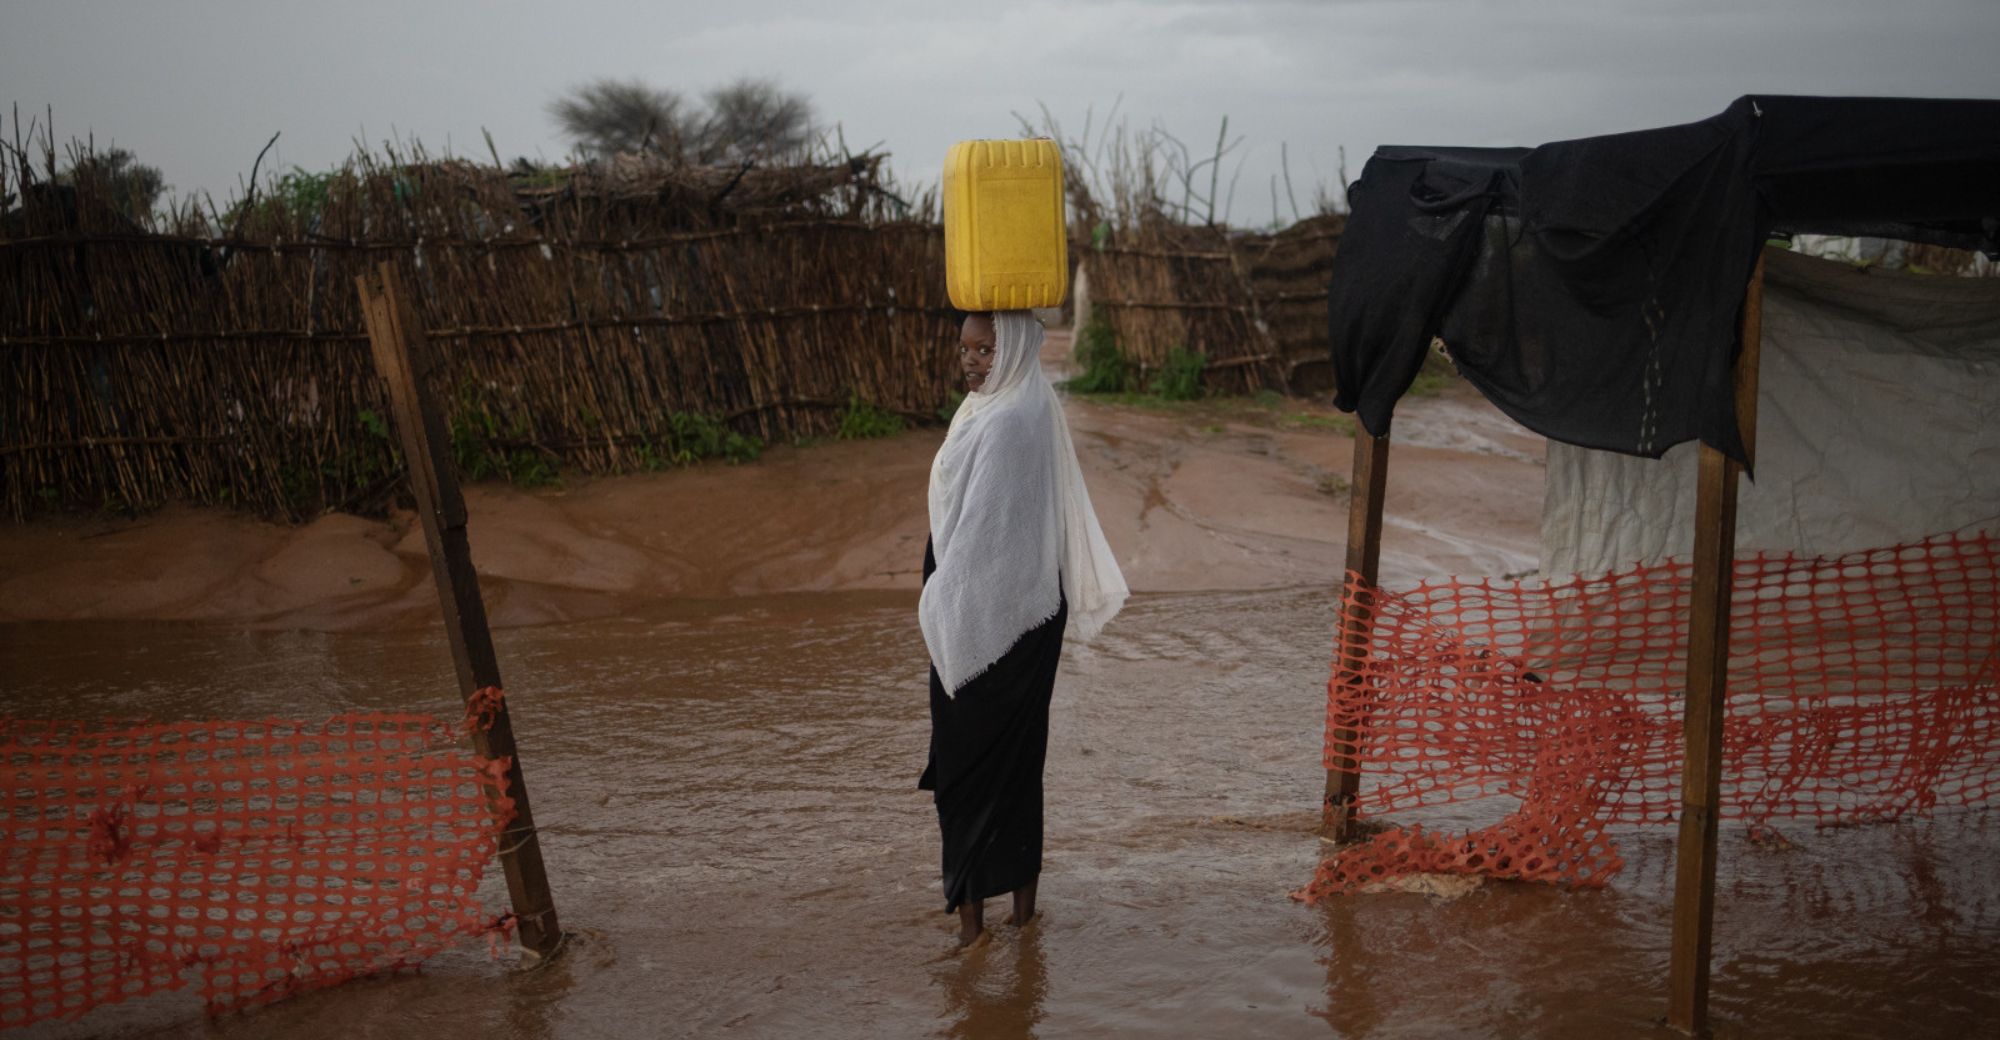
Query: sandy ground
[[1208, 496]]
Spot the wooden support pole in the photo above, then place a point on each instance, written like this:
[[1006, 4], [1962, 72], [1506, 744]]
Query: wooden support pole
[[403, 358], [1364, 557], [1708, 690]]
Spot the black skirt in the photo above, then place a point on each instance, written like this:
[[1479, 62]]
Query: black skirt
[[987, 748]]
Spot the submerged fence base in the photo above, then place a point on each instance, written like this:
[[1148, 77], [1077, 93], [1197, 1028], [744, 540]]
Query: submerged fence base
[[1861, 687], [248, 860]]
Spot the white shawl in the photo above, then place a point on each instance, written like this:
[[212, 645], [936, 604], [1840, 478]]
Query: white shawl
[[1008, 513]]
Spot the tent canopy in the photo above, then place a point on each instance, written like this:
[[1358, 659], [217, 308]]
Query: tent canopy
[[1591, 288], [1838, 344]]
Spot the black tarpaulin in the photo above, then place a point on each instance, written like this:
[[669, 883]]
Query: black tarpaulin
[[1591, 289]]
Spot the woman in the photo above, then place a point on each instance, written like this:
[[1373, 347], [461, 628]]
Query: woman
[[1015, 551]]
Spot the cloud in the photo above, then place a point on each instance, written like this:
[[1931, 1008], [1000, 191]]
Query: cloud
[[197, 88]]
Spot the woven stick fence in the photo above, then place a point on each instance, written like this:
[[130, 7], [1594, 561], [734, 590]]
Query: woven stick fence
[[1166, 274], [582, 320], [1255, 304]]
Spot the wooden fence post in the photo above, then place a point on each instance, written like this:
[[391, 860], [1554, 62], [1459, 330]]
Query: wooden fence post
[[1708, 689], [403, 357], [1364, 557]]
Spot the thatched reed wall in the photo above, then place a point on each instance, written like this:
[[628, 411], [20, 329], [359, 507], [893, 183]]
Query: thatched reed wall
[[1254, 303], [224, 361]]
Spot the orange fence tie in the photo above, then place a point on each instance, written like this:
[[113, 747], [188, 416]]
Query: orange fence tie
[[108, 838], [483, 708], [500, 934]]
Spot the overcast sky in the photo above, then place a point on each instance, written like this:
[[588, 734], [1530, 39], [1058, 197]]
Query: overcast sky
[[196, 88]]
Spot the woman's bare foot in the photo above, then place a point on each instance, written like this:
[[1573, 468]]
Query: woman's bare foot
[[1024, 905], [971, 922]]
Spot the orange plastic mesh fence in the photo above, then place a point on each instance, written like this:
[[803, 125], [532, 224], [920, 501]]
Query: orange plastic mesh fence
[[1861, 687], [250, 859]]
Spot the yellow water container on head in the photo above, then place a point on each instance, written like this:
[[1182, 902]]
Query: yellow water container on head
[[1005, 245]]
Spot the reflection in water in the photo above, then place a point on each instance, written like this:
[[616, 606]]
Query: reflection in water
[[725, 796], [1845, 929], [996, 992], [535, 996], [1350, 967]]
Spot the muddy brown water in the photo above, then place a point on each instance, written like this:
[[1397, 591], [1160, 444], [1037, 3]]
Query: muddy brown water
[[726, 793]]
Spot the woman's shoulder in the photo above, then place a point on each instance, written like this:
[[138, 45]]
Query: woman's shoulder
[[1029, 417]]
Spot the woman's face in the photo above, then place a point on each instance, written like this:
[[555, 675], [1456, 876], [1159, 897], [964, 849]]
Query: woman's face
[[975, 349]]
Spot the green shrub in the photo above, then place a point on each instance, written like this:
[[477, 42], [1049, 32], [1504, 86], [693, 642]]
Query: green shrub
[[1179, 377], [304, 195], [950, 409], [1105, 369], [1340, 424], [650, 460], [483, 450], [861, 421], [1437, 374], [348, 474], [531, 468], [689, 438], [294, 199], [472, 434]]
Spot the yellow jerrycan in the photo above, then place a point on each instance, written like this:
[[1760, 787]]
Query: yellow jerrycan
[[1005, 245]]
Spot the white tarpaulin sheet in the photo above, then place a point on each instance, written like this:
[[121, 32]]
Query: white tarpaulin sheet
[[1878, 422]]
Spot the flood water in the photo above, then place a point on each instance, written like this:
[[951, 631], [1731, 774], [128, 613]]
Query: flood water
[[726, 793]]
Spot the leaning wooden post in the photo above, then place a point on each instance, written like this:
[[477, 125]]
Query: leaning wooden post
[[403, 358], [1708, 688], [1364, 558]]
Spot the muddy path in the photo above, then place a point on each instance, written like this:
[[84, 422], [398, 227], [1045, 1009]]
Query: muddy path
[[727, 798], [718, 687]]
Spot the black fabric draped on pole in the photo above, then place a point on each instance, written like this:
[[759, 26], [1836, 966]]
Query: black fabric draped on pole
[[988, 745], [1591, 288]]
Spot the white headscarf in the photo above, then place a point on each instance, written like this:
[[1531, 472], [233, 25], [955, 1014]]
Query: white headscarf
[[1009, 512]]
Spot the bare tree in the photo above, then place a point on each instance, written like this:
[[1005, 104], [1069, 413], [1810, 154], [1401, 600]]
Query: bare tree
[[753, 120], [611, 116]]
